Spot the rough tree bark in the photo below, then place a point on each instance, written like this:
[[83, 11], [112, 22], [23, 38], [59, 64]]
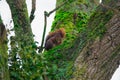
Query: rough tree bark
[[100, 56], [4, 75]]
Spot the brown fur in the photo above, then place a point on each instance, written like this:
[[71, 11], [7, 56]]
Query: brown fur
[[54, 38]]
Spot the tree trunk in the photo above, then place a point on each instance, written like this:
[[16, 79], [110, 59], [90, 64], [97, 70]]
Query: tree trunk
[[23, 48], [21, 20], [97, 46], [100, 56], [4, 75]]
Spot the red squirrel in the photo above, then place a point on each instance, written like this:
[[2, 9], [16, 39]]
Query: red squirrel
[[54, 38]]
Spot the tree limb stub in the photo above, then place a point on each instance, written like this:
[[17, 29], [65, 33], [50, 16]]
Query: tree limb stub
[[33, 10]]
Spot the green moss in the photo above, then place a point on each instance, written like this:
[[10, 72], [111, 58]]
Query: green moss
[[61, 57], [61, 17], [4, 74], [80, 72], [98, 28]]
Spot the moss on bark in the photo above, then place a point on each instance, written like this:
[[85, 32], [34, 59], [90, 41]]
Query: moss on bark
[[4, 74], [89, 45]]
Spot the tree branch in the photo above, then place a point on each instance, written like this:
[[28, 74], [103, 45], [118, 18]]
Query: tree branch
[[56, 8], [33, 10], [45, 24]]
